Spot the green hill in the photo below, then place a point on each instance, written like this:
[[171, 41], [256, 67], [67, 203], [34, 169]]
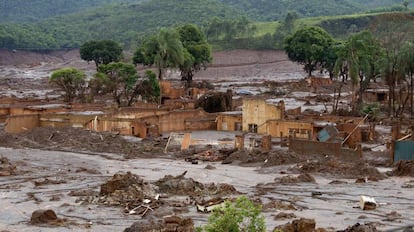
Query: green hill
[[45, 24], [38, 10]]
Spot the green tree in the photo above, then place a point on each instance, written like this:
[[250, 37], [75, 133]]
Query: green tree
[[71, 81], [393, 31], [359, 55], [407, 62], [197, 52], [149, 87], [164, 50], [242, 215], [308, 46], [286, 28], [101, 52], [119, 79]]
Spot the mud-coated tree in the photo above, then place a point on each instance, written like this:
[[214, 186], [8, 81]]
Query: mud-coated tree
[[71, 81], [101, 52], [308, 46]]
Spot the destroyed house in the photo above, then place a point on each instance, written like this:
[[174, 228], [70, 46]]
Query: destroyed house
[[256, 113]]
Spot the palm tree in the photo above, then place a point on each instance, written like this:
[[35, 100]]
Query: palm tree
[[170, 51]]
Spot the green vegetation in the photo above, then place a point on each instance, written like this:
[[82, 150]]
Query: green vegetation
[[39, 24], [359, 58], [379, 52], [120, 80], [309, 46], [101, 52], [164, 50], [72, 81], [38, 10], [196, 51], [242, 215]]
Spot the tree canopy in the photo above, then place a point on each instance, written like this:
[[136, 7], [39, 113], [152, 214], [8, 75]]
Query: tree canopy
[[164, 50], [197, 52], [71, 81], [119, 79], [360, 55], [101, 52], [308, 46]]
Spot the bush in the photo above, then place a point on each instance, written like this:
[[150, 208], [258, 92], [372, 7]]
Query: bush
[[241, 215]]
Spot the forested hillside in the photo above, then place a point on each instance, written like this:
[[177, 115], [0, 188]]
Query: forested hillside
[[268, 10], [37, 10], [124, 23], [47, 24]]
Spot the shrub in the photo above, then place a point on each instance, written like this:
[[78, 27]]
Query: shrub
[[241, 215]]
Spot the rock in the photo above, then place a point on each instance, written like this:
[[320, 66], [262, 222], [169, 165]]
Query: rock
[[210, 167], [43, 216], [298, 225]]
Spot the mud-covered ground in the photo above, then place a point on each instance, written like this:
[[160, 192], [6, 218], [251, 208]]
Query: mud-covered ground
[[106, 182]]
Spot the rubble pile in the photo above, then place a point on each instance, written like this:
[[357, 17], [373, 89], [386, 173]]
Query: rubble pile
[[179, 185], [6, 168], [126, 189]]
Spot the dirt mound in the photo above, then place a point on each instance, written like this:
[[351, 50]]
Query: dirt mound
[[267, 159], [403, 168], [179, 185], [357, 169], [169, 224], [126, 189], [302, 178], [6, 168], [76, 139]]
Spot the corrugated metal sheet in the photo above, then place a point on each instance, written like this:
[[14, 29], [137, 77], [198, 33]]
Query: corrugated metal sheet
[[404, 150]]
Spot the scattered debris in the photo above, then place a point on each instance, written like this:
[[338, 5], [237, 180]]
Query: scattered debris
[[409, 184], [360, 228], [404, 168], [6, 168], [367, 203], [47, 181], [210, 205]]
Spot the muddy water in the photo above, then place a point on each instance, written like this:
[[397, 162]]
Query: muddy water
[[335, 208]]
